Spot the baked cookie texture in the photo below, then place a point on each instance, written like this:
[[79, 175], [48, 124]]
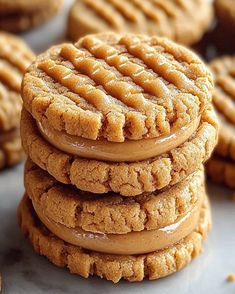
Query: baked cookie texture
[[15, 57], [109, 95], [128, 179], [134, 268], [20, 15], [221, 167], [173, 19], [112, 213], [139, 87]]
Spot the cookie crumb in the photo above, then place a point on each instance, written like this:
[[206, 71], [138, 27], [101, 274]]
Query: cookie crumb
[[231, 278]]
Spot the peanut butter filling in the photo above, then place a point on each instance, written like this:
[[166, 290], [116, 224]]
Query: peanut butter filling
[[128, 151], [130, 243], [10, 135]]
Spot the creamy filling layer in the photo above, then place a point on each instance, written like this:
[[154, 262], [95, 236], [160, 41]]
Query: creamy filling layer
[[128, 151], [126, 244]]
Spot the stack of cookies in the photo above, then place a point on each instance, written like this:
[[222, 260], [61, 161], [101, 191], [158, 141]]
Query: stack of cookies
[[117, 128], [20, 15], [174, 19], [221, 168], [15, 57]]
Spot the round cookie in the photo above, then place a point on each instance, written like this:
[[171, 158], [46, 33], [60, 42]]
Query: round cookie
[[225, 10], [174, 19], [128, 179], [11, 151], [224, 101], [20, 15], [15, 57], [112, 267], [221, 171], [23, 6], [125, 89], [111, 213], [139, 87]]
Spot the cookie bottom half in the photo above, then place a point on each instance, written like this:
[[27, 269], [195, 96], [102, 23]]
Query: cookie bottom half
[[221, 171], [11, 151], [133, 268]]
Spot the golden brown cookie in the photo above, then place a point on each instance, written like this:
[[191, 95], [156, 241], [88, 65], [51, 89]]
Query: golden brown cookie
[[122, 113], [117, 87], [10, 148], [222, 171], [224, 101], [15, 57], [112, 267], [128, 179], [111, 213], [20, 15], [22, 6], [225, 10], [174, 19], [221, 167]]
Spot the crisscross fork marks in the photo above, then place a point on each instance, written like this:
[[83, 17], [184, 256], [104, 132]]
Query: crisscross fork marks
[[139, 88]]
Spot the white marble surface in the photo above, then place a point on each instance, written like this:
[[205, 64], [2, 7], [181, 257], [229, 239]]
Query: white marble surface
[[24, 272]]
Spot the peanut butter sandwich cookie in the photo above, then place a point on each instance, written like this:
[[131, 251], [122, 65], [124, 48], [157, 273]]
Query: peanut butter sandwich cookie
[[175, 19], [111, 213], [15, 57], [117, 128], [128, 114], [221, 168], [133, 256], [21, 15]]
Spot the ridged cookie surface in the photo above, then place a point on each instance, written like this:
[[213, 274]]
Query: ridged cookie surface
[[175, 19], [117, 87], [224, 101], [15, 57]]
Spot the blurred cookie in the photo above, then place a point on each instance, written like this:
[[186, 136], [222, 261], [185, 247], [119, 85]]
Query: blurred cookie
[[225, 10], [132, 267], [174, 19], [221, 168], [15, 57], [21, 15], [11, 151], [221, 171]]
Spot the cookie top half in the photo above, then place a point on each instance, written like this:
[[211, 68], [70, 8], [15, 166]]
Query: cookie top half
[[15, 57], [175, 19], [117, 87]]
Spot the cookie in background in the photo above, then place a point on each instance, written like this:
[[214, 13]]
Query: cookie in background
[[221, 168], [20, 15], [173, 19], [15, 57]]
